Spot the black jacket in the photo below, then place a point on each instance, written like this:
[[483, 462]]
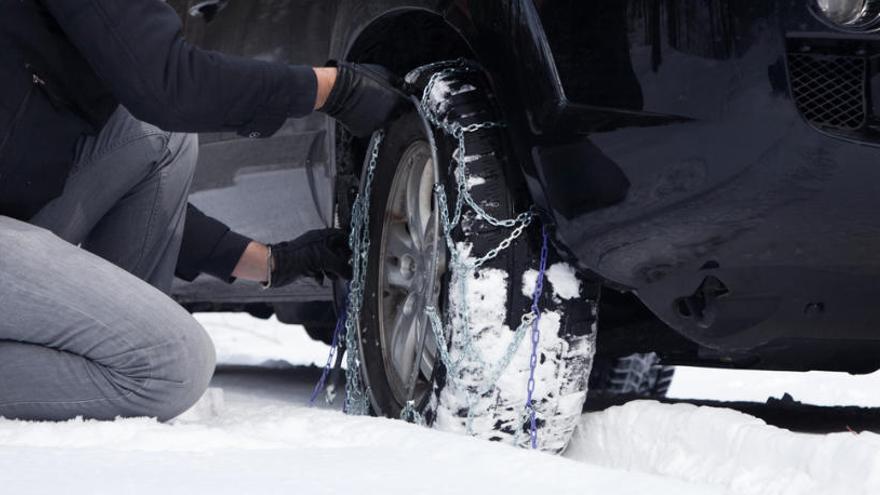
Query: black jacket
[[66, 64]]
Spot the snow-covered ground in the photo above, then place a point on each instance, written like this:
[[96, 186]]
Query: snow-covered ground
[[254, 434], [242, 340], [815, 387]]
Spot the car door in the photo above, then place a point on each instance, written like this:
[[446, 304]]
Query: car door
[[270, 189]]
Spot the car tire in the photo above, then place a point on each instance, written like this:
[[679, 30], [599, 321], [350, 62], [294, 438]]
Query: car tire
[[403, 377], [640, 375]]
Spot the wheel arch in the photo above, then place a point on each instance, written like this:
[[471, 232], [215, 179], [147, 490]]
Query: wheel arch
[[506, 38], [405, 38], [400, 39]]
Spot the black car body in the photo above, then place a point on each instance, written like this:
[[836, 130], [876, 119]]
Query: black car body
[[711, 162]]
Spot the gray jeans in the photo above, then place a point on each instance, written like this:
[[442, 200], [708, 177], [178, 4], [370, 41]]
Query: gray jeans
[[81, 333]]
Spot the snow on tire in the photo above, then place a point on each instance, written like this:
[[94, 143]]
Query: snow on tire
[[402, 363], [565, 353], [467, 399]]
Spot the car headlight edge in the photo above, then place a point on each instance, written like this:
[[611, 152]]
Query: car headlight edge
[[849, 14]]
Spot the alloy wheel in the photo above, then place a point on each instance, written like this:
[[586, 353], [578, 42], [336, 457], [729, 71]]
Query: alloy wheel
[[411, 266]]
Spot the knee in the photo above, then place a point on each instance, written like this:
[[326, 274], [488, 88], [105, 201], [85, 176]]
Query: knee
[[181, 371], [192, 368], [24, 246]]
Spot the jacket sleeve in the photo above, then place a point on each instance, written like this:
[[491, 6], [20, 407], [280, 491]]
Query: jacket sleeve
[[137, 48], [209, 247]]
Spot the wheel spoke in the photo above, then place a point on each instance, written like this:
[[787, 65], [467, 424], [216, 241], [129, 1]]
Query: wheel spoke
[[434, 253], [399, 243], [414, 220], [431, 235], [414, 224], [419, 200], [405, 336], [419, 330], [429, 352]]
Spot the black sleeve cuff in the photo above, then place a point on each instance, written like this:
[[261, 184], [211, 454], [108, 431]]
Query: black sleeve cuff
[[208, 246], [226, 255], [304, 79]]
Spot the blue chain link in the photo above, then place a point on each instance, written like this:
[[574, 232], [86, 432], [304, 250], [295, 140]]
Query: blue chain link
[[536, 337], [334, 348]]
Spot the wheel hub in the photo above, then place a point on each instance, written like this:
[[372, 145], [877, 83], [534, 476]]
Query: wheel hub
[[411, 268], [408, 266]]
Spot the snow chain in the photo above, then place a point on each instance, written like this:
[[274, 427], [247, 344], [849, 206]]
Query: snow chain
[[356, 396]]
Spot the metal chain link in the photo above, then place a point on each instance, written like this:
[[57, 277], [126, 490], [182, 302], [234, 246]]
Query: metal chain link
[[411, 414], [463, 267], [356, 397], [536, 337], [334, 346], [461, 264]]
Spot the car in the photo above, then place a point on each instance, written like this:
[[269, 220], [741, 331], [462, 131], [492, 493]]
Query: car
[[703, 171]]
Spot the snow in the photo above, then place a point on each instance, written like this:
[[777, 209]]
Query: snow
[[727, 448], [254, 434], [442, 91], [815, 387], [486, 300], [562, 280], [267, 446], [489, 352], [473, 180], [250, 341]]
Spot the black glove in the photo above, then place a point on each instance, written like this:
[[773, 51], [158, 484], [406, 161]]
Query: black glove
[[314, 254], [364, 98]]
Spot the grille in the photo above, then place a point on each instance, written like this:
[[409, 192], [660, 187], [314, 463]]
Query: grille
[[829, 90]]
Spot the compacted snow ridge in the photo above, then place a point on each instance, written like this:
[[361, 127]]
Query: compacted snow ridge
[[272, 444], [727, 448]]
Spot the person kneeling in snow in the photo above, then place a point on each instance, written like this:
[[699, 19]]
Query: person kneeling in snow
[[97, 98]]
